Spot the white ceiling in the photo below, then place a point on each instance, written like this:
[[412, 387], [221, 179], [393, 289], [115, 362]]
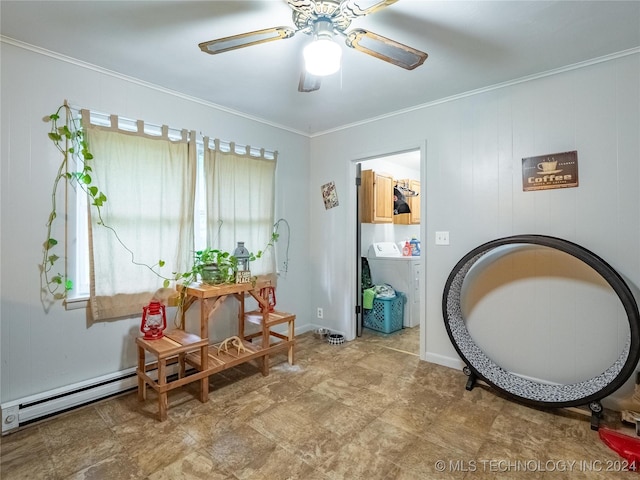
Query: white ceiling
[[471, 45]]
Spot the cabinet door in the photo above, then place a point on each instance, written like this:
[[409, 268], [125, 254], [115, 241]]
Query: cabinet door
[[383, 198], [414, 202], [377, 197]]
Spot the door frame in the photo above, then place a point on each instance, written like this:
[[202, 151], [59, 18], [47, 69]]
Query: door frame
[[353, 238]]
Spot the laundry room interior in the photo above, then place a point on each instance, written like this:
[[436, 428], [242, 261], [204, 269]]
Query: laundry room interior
[[391, 248]]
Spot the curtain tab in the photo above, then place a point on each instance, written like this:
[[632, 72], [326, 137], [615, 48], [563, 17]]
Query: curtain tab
[[86, 117]]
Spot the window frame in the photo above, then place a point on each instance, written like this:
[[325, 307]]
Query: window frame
[[77, 226]]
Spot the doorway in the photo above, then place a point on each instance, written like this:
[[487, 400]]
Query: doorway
[[405, 274]]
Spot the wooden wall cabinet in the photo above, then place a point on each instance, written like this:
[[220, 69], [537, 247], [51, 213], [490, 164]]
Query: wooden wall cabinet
[[377, 197], [412, 218]]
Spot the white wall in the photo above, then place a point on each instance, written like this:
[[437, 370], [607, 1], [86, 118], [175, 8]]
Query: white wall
[[45, 348], [473, 188], [473, 148]]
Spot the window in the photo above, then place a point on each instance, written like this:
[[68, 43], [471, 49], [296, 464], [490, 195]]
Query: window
[[202, 219]]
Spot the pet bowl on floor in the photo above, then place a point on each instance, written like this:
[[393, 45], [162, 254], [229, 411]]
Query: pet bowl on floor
[[321, 333], [336, 339]]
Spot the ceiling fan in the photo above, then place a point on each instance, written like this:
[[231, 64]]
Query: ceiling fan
[[324, 20]]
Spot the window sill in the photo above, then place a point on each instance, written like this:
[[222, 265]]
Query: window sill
[[76, 303]]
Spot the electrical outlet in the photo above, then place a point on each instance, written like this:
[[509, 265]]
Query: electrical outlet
[[320, 313], [442, 238]]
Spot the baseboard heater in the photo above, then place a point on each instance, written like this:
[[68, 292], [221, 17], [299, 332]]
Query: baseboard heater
[[29, 409]]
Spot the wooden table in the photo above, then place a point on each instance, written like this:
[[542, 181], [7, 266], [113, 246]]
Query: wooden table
[[205, 358], [211, 297]]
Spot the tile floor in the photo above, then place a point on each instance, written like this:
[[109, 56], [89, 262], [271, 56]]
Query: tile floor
[[368, 409]]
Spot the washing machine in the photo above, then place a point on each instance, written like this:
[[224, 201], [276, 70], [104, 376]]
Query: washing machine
[[387, 265]]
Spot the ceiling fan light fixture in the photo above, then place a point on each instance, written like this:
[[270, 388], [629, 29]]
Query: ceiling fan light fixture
[[322, 57]]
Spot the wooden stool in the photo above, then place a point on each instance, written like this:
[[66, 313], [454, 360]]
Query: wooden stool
[[174, 344], [267, 321]]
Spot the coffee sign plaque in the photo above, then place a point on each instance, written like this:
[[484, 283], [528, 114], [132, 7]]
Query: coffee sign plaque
[[556, 170]]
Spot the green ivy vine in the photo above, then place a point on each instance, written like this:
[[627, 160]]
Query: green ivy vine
[[69, 138]]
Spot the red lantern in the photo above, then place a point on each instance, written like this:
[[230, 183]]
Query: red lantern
[[269, 294], [154, 320]]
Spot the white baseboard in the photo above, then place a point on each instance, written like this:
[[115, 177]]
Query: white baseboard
[[451, 362], [613, 402], [25, 410], [619, 403], [28, 409]]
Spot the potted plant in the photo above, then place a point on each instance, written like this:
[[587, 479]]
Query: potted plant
[[214, 266]]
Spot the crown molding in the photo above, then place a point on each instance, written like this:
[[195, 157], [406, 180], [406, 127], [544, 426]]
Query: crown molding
[[136, 81], [528, 78]]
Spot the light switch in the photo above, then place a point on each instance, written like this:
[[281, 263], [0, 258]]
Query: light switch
[[442, 238]]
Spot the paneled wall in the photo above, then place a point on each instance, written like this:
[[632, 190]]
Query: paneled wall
[[45, 347], [472, 153], [471, 148]]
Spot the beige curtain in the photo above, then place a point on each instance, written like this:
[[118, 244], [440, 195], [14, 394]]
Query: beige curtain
[[240, 201], [149, 182]]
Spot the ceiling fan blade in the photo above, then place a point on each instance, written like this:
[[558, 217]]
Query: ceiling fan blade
[[385, 49], [308, 82], [233, 42], [359, 8], [302, 6]]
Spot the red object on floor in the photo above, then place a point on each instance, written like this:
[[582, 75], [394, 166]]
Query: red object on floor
[[627, 447]]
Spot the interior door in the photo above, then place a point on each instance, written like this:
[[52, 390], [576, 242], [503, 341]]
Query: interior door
[[358, 284]]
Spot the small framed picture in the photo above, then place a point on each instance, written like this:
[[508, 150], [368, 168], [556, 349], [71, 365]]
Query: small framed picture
[[555, 170], [329, 195]]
